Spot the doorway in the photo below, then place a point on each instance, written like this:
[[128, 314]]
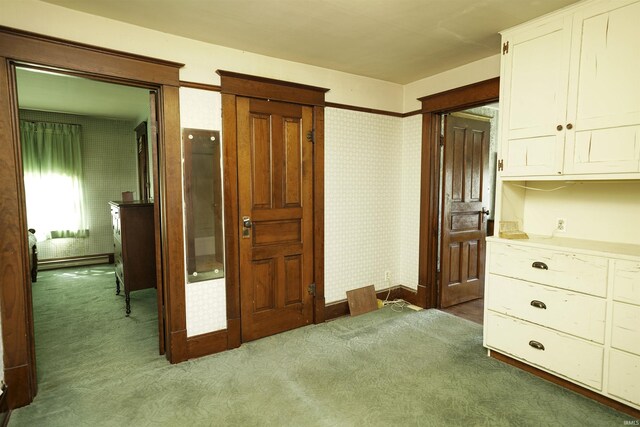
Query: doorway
[[79, 154], [433, 109], [467, 188], [18, 47]]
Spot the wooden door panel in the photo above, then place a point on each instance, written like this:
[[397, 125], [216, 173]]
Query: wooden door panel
[[293, 279], [275, 191], [464, 193], [292, 160], [261, 161], [264, 280]]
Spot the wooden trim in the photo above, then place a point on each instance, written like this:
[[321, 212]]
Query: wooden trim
[[463, 97], [432, 107], [42, 50], [170, 177], [618, 406], [318, 215], [15, 293], [231, 218], [205, 344], [202, 86], [363, 109], [341, 308], [412, 113], [265, 88]]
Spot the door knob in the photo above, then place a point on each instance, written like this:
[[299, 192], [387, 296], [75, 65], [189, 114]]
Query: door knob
[[246, 222], [485, 211]]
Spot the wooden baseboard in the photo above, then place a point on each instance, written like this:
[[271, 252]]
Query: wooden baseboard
[[341, 308], [618, 406], [205, 344], [5, 412]]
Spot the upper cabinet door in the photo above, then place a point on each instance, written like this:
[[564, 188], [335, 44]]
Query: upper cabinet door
[[535, 73], [604, 90]]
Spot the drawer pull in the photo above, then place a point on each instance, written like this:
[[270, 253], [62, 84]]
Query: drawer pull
[[540, 265], [537, 345], [538, 304]]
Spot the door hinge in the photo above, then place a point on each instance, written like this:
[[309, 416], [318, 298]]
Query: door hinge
[[311, 136], [312, 289], [505, 48], [441, 140], [500, 165]]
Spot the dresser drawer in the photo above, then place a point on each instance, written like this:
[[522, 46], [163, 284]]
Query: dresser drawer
[[566, 270], [625, 328], [626, 281], [624, 376], [565, 311], [571, 357]]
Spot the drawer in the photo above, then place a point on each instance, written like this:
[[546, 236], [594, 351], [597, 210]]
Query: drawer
[[571, 357], [624, 375], [626, 281], [565, 311], [566, 270], [625, 329]]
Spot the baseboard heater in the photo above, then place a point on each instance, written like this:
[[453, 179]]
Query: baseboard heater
[[50, 264]]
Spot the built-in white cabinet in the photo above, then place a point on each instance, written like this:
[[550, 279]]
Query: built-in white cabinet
[[546, 312], [567, 299], [570, 94]]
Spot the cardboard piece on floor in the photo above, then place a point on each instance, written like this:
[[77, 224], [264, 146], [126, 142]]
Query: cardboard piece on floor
[[362, 300]]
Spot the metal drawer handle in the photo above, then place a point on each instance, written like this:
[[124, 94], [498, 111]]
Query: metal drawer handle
[[540, 265], [537, 345], [538, 304]]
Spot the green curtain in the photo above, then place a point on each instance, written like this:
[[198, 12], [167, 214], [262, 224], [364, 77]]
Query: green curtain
[[52, 163]]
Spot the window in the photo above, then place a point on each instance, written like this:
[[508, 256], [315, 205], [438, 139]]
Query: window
[[52, 162]]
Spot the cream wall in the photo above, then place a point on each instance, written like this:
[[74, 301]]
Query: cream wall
[[473, 72], [200, 59]]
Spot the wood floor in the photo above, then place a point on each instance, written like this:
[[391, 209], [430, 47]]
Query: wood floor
[[472, 310]]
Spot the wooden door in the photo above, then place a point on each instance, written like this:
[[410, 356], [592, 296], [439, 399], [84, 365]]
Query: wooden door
[[465, 201], [143, 161], [275, 192], [534, 79]]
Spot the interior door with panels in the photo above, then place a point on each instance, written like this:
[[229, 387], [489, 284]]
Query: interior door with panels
[[534, 79], [465, 197], [604, 91], [275, 181]]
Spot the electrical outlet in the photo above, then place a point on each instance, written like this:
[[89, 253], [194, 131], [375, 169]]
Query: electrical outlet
[[561, 225], [387, 276]]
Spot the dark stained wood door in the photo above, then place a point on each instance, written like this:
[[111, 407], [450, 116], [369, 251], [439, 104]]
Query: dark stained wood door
[[465, 202], [143, 161], [275, 183]]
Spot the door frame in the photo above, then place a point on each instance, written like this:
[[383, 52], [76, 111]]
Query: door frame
[[433, 107], [234, 85], [18, 46]]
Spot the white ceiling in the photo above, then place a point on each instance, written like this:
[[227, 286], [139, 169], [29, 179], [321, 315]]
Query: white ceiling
[[46, 91], [394, 40]]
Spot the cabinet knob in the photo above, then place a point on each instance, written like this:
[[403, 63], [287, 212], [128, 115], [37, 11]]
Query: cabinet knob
[[540, 265], [538, 304], [537, 345], [569, 126], [559, 127]]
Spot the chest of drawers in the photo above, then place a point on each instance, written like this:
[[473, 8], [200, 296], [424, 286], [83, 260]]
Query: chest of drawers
[[572, 312], [133, 247]]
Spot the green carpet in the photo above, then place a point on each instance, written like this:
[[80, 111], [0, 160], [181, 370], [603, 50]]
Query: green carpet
[[98, 368]]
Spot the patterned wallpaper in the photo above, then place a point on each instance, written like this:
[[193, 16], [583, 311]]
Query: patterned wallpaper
[[409, 225], [109, 167], [363, 175]]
